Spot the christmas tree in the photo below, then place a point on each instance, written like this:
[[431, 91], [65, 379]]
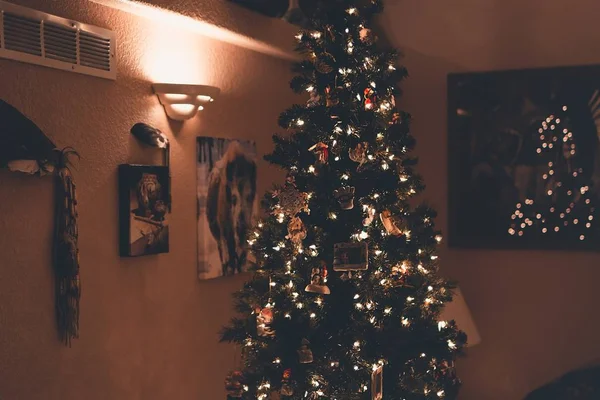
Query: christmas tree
[[345, 298]]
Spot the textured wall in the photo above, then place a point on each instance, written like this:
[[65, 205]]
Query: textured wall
[[148, 326], [537, 311]]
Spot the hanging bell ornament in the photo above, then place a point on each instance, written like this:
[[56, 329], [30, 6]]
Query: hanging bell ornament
[[318, 280], [305, 355], [370, 98], [359, 154], [286, 389], [345, 196], [264, 318], [321, 151], [234, 385], [296, 230], [388, 223]]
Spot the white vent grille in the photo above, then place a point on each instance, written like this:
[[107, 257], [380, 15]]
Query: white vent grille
[[38, 38]]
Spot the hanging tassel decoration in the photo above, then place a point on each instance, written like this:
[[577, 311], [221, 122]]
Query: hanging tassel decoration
[[66, 251]]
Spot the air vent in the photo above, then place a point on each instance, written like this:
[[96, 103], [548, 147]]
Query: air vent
[[38, 38]]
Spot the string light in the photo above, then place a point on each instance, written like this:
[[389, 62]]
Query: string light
[[300, 122]]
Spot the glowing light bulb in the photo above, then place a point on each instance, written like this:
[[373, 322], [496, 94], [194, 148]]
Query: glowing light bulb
[[351, 11], [311, 169], [300, 122]]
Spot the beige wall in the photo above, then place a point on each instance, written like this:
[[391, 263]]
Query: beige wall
[[148, 326], [537, 311]]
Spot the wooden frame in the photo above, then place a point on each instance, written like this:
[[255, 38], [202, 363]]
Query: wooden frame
[[143, 209]]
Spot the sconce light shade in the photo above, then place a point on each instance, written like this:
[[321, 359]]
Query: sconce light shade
[[458, 311], [182, 102]]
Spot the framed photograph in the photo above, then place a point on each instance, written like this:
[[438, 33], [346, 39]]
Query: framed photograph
[[143, 210], [350, 256], [524, 158], [227, 204], [296, 12], [377, 384]]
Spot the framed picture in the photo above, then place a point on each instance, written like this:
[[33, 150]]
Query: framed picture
[[350, 256], [296, 12], [143, 210], [377, 384], [227, 204], [524, 159]]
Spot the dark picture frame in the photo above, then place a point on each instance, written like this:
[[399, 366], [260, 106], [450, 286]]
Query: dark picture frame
[[350, 256], [143, 210], [512, 161]]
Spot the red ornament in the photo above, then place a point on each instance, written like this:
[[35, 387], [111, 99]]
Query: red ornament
[[370, 98], [321, 150]]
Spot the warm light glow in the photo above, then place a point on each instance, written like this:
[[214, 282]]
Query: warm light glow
[[177, 22], [182, 102]]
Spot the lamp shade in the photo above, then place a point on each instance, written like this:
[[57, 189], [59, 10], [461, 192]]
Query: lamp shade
[[183, 102], [458, 311]]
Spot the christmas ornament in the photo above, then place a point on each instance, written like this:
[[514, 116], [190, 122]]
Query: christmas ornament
[[395, 119], [321, 151], [370, 215], [345, 196], [370, 98], [388, 223], [318, 280], [366, 36], [234, 384], [314, 100], [264, 318], [359, 153], [286, 389], [331, 97], [305, 355], [291, 201], [296, 230], [377, 383], [350, 256], [325, 64]]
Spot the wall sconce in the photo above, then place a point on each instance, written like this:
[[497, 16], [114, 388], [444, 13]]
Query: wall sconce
[[182, 102]]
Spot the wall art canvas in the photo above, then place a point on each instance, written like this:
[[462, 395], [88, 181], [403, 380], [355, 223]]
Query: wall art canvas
[[296, 12], [524, 158], [227, 204], [143, 210]]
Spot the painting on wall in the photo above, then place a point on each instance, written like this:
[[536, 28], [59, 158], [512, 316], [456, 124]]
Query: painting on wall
[[227, 204], [297, 12], [143, 210], [524, 158]]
